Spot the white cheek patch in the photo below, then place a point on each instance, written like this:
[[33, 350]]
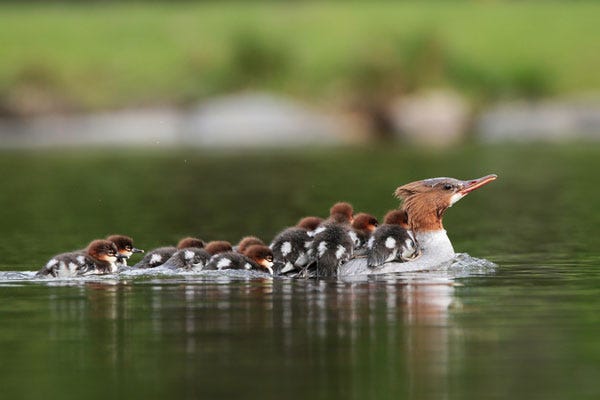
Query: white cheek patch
[[322, 248], [223, 263], [354, 238], [246, 266], [370, 242], [156, 258], [341, 250], [188, 254], [318, 230], [80, 259], [390, 242], [286, 248], [456, 197]]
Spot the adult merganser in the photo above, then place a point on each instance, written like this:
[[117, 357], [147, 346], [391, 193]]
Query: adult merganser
[[125, 248], [256, 257], [290, 246], [363, 227], [425, 203], [159, 256], [392, 241], [99, 258]]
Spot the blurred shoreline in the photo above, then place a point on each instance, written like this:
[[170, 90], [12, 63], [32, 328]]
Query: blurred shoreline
[[261, 120]]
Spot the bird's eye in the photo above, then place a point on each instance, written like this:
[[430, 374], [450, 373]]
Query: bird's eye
[[128, 248], [448, 186], [269, 258]]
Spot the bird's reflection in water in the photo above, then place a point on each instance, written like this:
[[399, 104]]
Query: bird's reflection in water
[[365, 337]]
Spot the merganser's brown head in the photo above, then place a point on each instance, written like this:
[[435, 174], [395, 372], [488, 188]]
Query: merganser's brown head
[[261, 255], [103, 250], [218, 246], [426, 201], [341, 213], [124, 245], [247, 242], [309, 223], [365, 222], [190, 242], [396, 217]]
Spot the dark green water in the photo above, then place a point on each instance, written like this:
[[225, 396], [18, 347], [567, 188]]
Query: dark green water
[[528, 331]]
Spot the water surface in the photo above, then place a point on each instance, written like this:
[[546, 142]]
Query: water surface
[[526, 330]]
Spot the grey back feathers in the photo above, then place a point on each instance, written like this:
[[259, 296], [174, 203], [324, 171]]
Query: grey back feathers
[[156, 257], [290, 250]]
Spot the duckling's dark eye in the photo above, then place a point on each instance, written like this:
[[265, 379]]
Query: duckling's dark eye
[[128, 248], [448, 186], [269, 258]]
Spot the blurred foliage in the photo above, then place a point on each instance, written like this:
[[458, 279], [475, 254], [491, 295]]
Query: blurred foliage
[[110, 55]]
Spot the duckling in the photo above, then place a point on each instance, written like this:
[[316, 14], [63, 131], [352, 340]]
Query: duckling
[[125, 247], [98, 258], [190, 259], [290, 246], [392, 241], [159, 256], [256, 257], [333, 243], [195, 258], [363, 227]]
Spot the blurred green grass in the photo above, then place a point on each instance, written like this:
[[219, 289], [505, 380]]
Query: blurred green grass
[[101, 56]]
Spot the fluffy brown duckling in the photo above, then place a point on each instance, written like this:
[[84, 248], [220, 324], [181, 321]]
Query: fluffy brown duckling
[[363, 227], [290, 246], [98, 258], [256, 257], [125, 248], [392, 241], [332, 244], [246, 242], [159, 256]]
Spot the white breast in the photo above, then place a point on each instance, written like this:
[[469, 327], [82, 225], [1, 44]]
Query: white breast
[[435, 246]]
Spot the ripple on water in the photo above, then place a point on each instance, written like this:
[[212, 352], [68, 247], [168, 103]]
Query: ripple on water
[[462, 265]]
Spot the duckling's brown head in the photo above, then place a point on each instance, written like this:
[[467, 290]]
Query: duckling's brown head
[[103, 250], [365, 222], [396, 217], [261, 255], [190, 242], [218, 246], [341, 213], [247, 242], [124, 245], [309, 223]]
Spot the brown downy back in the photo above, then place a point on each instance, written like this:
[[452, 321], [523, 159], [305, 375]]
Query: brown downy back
[[247, 242], [309, 223], [364, 222], [396, 217], [218, 246], [190, 242]]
